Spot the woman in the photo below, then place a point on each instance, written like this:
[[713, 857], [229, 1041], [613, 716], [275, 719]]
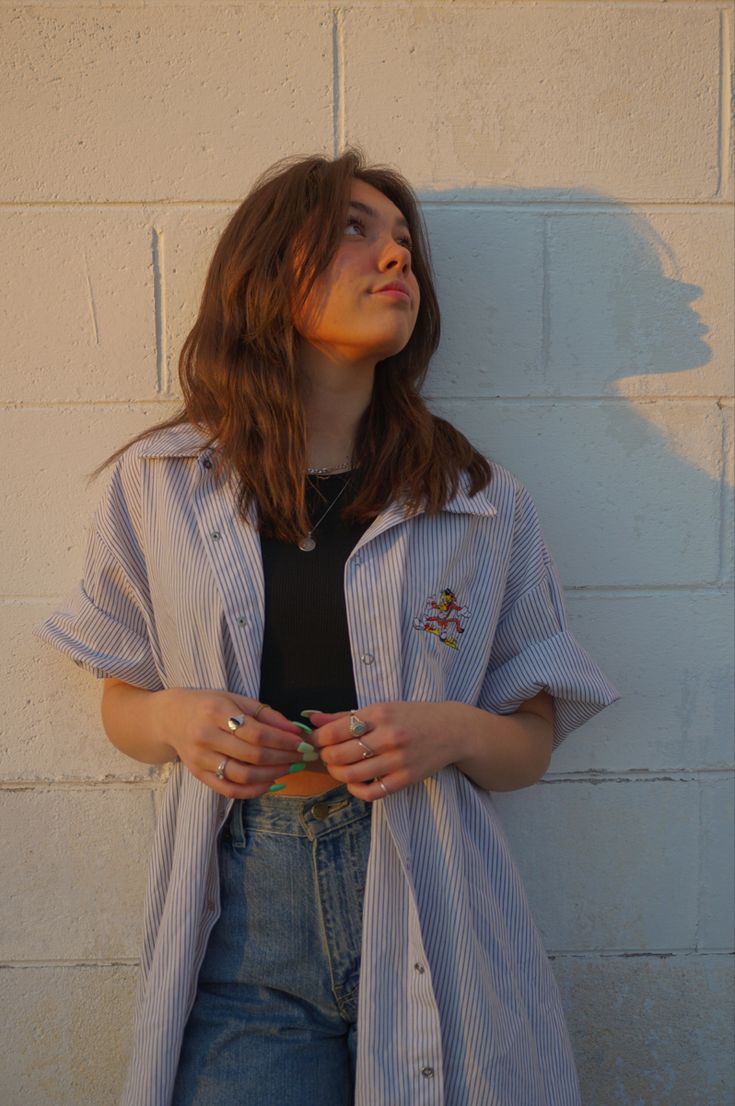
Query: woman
[[305, 540]]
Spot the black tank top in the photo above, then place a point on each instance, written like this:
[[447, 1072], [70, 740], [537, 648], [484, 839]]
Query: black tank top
[[306, 661]]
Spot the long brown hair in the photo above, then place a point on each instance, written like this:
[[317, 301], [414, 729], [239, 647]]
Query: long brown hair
[[238, 366]]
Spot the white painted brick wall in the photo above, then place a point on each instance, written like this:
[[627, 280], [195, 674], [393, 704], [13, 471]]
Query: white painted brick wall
[[576, 165]]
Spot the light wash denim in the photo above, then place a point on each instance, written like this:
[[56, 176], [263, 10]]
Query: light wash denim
[[275, 1017]]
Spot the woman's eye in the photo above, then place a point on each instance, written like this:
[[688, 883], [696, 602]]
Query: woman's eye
[[358, 223]]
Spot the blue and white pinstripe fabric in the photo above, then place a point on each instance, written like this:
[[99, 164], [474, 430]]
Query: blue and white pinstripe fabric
[[458, 1004]]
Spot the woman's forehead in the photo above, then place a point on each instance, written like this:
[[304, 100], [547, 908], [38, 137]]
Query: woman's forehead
[[371, 197]]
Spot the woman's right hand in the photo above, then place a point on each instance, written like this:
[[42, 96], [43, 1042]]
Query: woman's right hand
[[193, 724]]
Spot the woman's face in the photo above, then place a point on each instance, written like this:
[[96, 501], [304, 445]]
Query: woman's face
[[348, 316]]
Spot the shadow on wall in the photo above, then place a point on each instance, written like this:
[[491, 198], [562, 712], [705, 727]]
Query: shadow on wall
[[563, 310]]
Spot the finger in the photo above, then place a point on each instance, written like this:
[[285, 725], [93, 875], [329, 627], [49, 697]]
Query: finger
[[321, 718], [372, 791], [225, 744], [336, 729], [362, 771], [260, 735], [351, 752], [233, 790], [252, 749], [245, 775], [267, 714]]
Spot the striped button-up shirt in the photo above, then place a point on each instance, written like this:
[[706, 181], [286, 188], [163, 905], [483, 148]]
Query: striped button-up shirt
[[457, 1003]]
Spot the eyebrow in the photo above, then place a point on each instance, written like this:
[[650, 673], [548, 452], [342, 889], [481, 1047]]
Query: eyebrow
[[401, 222]]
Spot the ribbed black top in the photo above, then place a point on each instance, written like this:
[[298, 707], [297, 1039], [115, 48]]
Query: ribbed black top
[[306, 662]]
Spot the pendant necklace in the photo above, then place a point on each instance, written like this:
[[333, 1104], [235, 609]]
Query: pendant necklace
[[307, 544]]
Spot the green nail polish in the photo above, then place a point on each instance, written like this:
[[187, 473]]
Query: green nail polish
[[298, 766], [308, 713], [304, 727], [310, 756], [277, 787], [304, 747]]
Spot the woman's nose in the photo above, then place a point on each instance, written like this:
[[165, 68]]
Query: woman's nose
[[394, 255]]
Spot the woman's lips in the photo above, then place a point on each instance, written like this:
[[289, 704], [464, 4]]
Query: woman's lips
[[396, 292]]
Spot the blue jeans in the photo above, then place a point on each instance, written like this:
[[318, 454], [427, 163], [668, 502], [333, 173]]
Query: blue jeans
[[274, 1022]]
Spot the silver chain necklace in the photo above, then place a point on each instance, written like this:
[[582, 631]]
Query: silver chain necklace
[[344, 467], [307, 544]]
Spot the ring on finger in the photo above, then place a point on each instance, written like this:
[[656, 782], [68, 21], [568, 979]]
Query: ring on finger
[[383, 788], [220, 770], [366, 750], [357, 726], [235, 722], [259, 708]]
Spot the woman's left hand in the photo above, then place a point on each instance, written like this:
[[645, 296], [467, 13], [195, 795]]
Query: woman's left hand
[[409, 741]]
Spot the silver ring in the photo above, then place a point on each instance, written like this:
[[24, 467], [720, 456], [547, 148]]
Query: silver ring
[[366, 750], [235, 722], [220, 770], [357, 726], [383, 788]]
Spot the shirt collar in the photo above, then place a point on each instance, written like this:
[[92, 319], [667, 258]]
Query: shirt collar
[[184, 440], [187, 440]]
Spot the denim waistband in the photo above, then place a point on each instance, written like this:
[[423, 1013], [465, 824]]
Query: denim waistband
[[297, 815]]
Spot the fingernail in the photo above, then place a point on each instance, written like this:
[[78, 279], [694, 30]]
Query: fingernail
[[277, 787], [308, 713], [310, 756], [304, 727], [298, 766], [305, 747]]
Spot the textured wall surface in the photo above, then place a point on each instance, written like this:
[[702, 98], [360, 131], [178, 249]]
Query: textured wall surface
[[575, 160]]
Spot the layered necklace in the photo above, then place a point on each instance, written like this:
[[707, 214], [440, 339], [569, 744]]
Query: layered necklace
[[308, 543]]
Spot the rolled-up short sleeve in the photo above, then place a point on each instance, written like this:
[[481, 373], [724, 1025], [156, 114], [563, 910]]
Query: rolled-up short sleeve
[[104, 624], [532, 649]]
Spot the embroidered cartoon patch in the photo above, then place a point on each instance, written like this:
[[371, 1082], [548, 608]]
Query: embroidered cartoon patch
[[442, 617]]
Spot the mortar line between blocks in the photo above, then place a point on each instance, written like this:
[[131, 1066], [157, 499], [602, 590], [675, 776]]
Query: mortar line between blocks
[[723, 567], [338, 80], [700, 872], [576, 591], [545, 299], [724, 151], [564, 206], [588, 776], [159, 308], [76, 962], [81, 784], [638, 775], [536, 400], [633, 954]]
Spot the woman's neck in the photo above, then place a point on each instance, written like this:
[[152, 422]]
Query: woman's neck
[[333, 408]]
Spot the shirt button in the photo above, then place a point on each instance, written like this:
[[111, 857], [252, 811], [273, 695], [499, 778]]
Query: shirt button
[[215, 535], [427, 1072], [419, 969], [367, 658], [206, 463], [242, 620]]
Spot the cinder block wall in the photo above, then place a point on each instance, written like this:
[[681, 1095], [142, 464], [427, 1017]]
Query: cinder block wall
[[576, 165]]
